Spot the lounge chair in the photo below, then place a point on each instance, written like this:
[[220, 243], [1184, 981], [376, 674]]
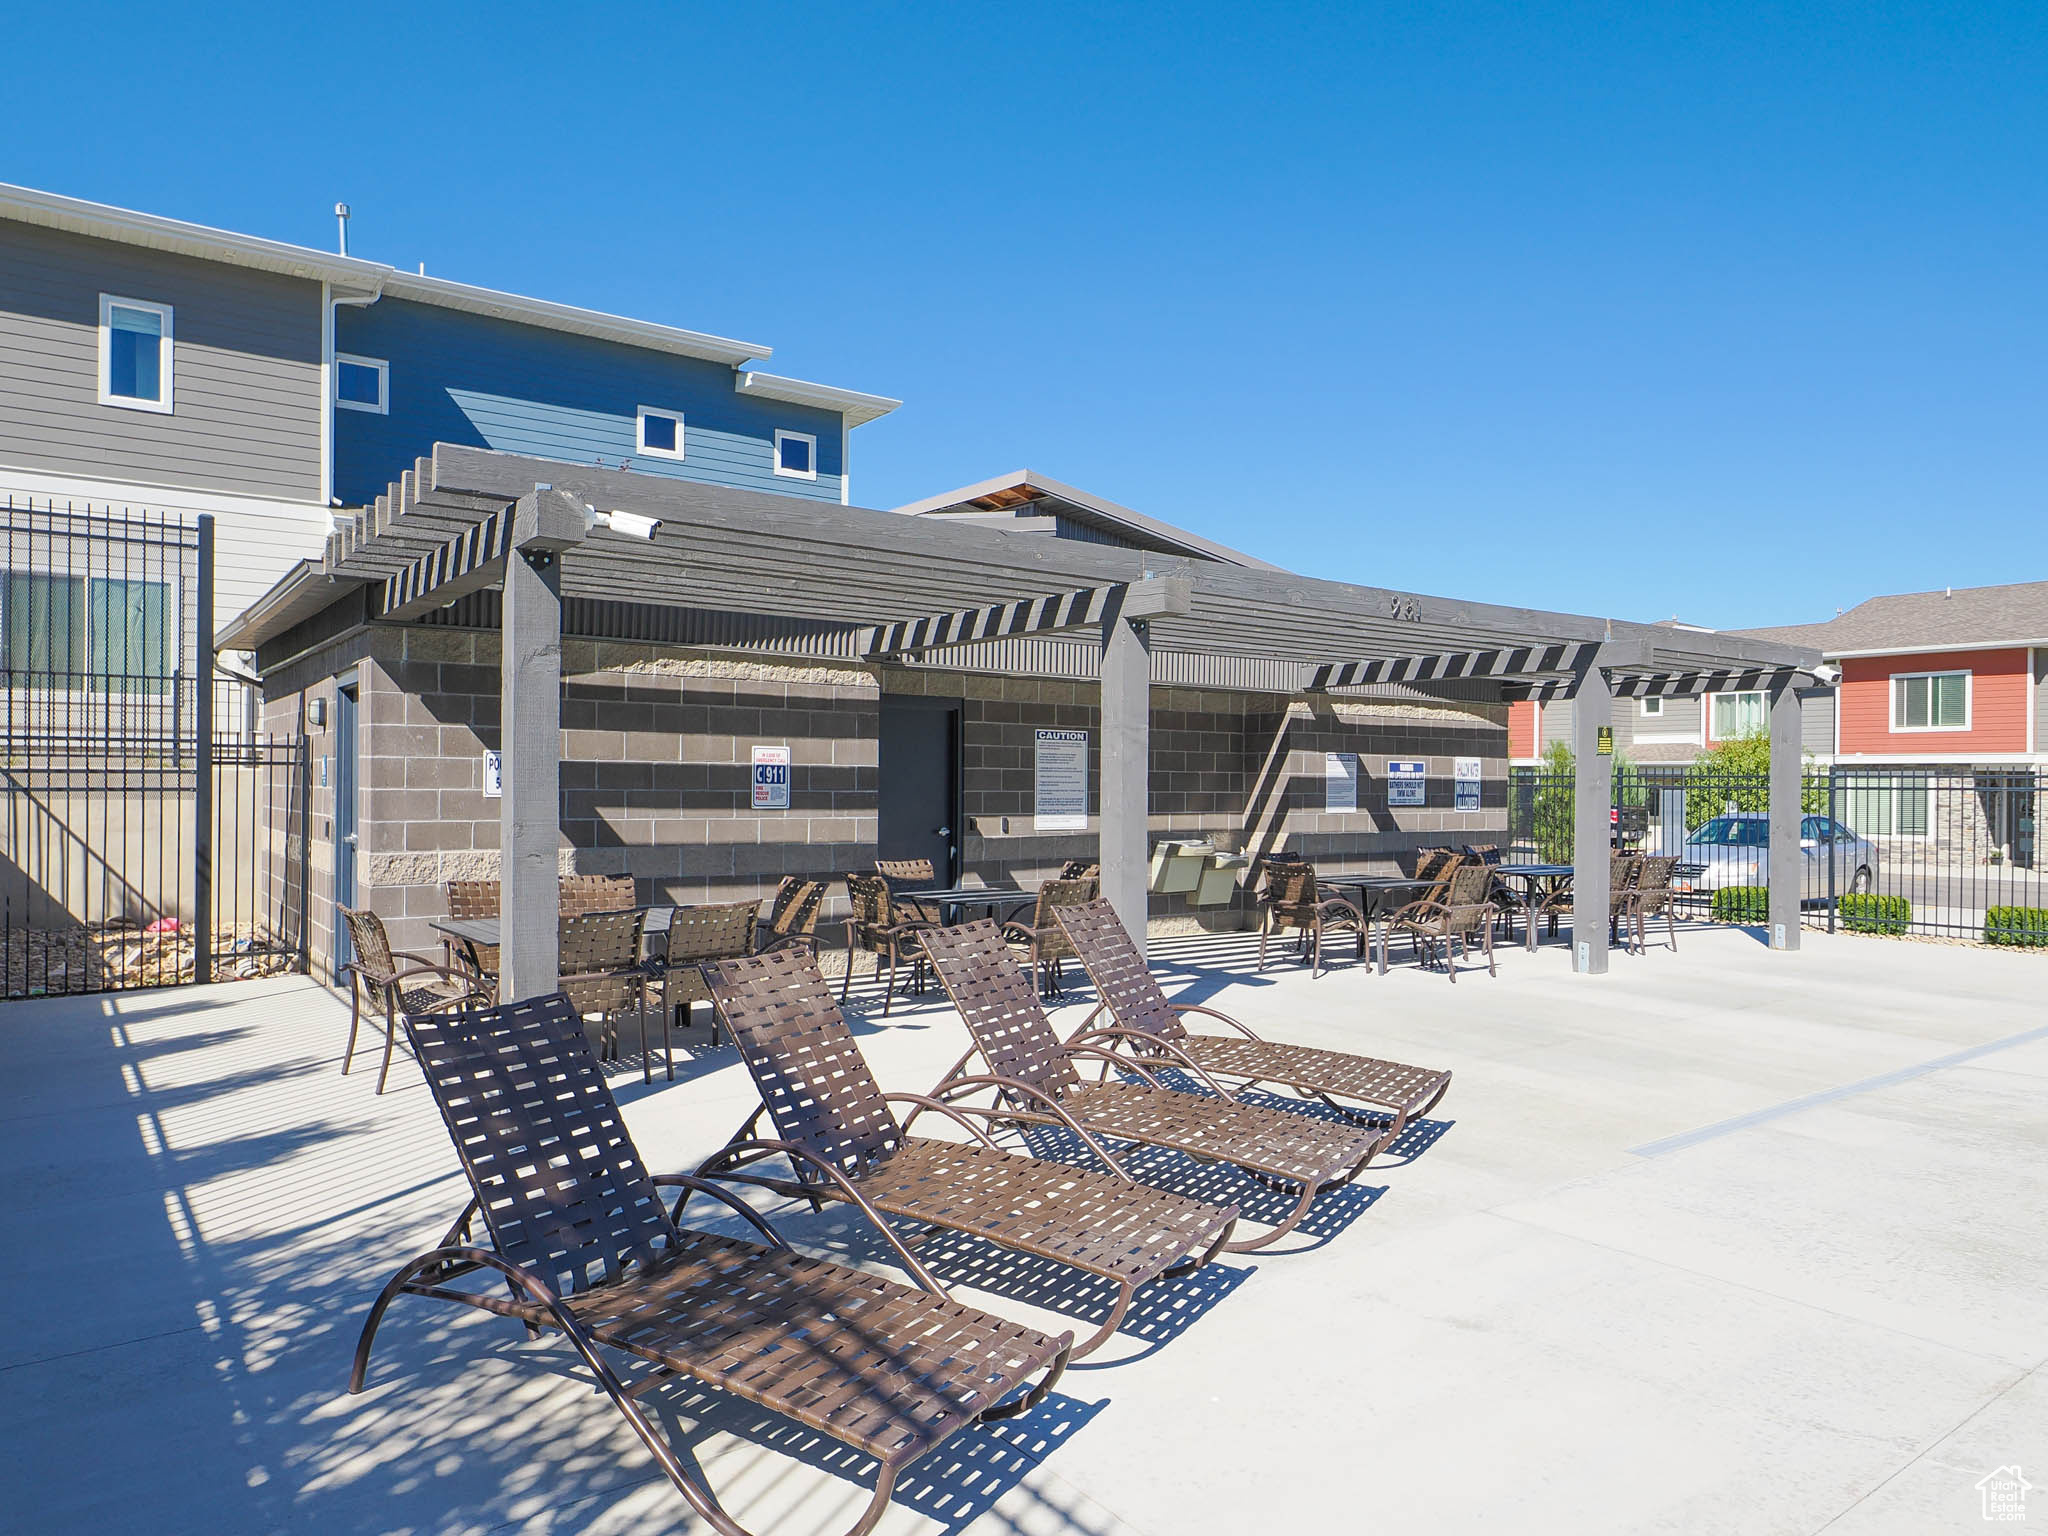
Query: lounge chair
[[576, 1238], [1031, 1072], [1131, 996], [843, 1142]]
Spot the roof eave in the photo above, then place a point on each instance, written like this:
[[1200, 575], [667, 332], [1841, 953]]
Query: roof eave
[[854, 406]]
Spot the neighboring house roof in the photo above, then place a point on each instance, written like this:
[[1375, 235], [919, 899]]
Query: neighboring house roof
[[1959, 618], [356, 278], [1027, 502]]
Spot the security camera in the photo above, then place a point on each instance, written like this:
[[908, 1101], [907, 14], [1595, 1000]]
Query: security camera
[[1827, 674], [631, 524]]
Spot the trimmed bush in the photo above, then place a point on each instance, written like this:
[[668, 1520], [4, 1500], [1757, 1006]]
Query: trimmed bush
[[1742, 904], [1865, 913], [2021, 927]]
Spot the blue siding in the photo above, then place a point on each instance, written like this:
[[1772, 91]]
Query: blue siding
[[469, 379]]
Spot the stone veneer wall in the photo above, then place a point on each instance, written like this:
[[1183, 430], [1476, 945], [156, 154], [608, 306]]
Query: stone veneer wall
[[656, 771]]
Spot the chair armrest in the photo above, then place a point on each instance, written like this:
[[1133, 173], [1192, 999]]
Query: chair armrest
[[1053, 1109], [690, 1183], [955, 1112], [1242, 1029], [1165, 1048], [1023, 932]]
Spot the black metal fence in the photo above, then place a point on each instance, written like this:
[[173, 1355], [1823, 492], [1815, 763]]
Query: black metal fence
[[148, 834], [1949, 851]]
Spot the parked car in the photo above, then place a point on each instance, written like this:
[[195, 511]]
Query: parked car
[[1735, 850]]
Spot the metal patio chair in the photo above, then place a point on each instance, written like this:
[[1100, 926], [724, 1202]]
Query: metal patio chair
[[697, 935], [843, 1142], [1042, 939], [419, 984], [473, 899], [906, 877], [792, 920], [876, 925], [595, 893], [575, 1237], [602, 974], [1291, 900], [1650, 897], [1464, 914], [1034, 1077], [1622, 869], [1130, 994]]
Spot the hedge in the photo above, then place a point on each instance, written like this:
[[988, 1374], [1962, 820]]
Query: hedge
[[1866, 913], [1742, 904], [2023, 927]]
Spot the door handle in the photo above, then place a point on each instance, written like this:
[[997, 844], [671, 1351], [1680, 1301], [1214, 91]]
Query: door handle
[[349, 838]]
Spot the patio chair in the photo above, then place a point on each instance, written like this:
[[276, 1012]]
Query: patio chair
[[1131, 996], [595, 893], [877, 926], [1081, 869], [1462, 915], [601, 972], [844, 1142], [906, 877], [1650, 897], [1488, 854], [576, 1238], [420, 984], [1290, 900], [718, 931], [473, 899], [1622, 869], [1042, 939], [792, 921], [1032, 1074]]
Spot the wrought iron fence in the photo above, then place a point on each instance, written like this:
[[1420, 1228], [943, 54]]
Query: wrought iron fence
[[1950, 850], [148, 834]]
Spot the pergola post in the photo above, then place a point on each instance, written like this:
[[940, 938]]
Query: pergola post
[[1592, 818], [1788, 861], [530, 738], [1127, 740]]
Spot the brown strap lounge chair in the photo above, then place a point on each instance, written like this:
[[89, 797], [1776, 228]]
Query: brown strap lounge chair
[[1030, 1069], [1132, 998], [577, 1239], [843, 1142]]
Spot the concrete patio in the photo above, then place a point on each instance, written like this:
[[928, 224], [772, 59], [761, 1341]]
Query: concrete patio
[[1729, 1240]]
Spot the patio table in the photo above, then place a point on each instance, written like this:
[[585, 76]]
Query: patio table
[[951, 899], [475, 933], [1534, 889]]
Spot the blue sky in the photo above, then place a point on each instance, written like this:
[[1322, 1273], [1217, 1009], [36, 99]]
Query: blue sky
[[1734, 312]]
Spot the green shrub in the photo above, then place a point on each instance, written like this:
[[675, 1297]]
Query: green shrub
[[1551, 812], [1874, 914], [1742, 904], [2021, 927], [1736, 776]]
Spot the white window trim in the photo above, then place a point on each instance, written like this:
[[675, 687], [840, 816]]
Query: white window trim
[[1643, 706], [165, 353], [795, 474], [640, 432], [383, 405], [1739, 693], [1969, 701]]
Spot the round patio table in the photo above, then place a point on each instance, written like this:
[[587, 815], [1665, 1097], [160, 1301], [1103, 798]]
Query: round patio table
[[1539, 882]]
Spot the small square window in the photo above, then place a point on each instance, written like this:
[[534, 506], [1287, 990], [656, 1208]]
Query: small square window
[[135, 354], [1653, 707], [796, 455], [362, 383], [661, 433]]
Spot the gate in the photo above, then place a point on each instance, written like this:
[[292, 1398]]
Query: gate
[[148, 834]]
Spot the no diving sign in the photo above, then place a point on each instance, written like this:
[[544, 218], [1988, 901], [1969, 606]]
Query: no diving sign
[[771, 778]]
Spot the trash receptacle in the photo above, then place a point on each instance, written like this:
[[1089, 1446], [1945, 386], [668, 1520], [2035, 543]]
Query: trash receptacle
[[1220, 874]]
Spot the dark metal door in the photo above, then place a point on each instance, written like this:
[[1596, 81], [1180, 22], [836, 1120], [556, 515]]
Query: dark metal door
[[919, 799], [344, 815]]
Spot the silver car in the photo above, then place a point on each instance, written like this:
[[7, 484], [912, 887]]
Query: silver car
[[1735, 850]]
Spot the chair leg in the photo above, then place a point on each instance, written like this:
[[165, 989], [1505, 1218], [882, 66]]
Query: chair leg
[[390, 1032], [646, 1061], [889, 995], [846, 981], [355, 1016], [1491, 968], [1264, 928]]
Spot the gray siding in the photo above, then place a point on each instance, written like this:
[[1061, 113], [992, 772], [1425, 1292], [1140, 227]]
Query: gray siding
[[246, 364], [1817, 721]]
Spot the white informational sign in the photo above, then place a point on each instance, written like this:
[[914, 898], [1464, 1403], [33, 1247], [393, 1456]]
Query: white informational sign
[[771, 778], [1465, 783], [494, 775], [1059, 781], [1406, 783], [1340, 781]]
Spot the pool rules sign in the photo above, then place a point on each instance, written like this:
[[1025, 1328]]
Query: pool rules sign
[[1059, 781], [771, 778]]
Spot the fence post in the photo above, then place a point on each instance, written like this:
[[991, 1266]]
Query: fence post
[[305, 772], [202, 796], [1833, 859]]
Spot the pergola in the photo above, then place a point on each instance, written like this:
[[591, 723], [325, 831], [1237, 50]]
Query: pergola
[[761, 574]]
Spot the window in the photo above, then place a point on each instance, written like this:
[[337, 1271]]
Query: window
[[65, 633], [1887, 807], [1739, 714], [362, 383], [1653, 708], [661, 433], [135, 354], [796, 455], [1931, 701]]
